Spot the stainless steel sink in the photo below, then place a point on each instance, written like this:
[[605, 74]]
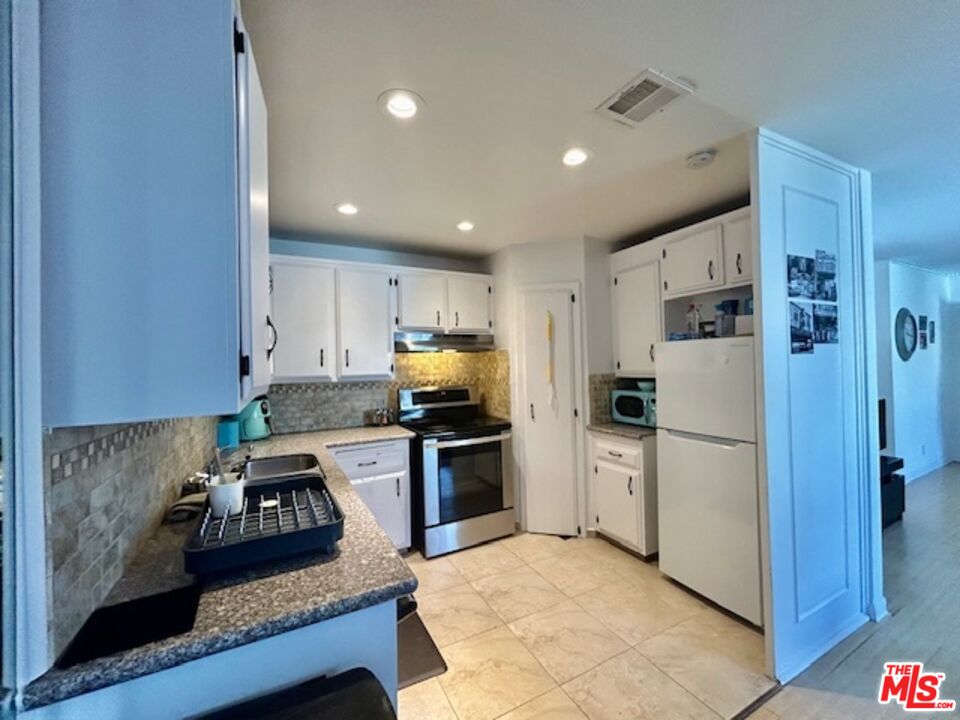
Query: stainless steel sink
[[280, 466]]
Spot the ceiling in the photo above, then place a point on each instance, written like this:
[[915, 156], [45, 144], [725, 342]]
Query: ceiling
[[508, 85]]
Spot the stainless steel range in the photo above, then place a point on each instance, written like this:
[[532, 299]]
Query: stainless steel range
[[463, 483]]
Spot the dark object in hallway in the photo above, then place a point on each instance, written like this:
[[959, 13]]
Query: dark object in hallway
[[131, 624], [892, 489], [418, 657], [350, 695]]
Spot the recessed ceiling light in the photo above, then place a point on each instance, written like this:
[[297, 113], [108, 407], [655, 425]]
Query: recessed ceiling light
[[464, 226], [575, 156], [701, 159], [402, 104], [347, 209]]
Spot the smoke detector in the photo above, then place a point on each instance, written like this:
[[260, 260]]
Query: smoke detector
[[701, 159], [647, 93]]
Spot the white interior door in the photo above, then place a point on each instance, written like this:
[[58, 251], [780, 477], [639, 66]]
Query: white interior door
[[549, 427], [815, 419]]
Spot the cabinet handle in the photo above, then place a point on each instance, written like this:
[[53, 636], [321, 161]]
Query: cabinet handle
[[630, 485], [739, 264], [456, 316], [346, 355], [438, 318], [611, 453], [533, 415], [651, 352], [710, 269], [665, 286], [321, 357], [367, 464], [276, 337], [398, 487]]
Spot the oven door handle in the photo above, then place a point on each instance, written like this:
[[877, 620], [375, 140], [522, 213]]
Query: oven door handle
[[466, 442]]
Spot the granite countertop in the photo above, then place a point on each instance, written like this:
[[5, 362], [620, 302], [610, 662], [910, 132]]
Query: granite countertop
[[633, 432], [253, 604]]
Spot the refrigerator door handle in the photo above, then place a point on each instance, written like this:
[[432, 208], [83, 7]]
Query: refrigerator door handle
[[695, 437]]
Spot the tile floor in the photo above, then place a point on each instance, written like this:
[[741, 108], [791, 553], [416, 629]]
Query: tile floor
[[533, 626]]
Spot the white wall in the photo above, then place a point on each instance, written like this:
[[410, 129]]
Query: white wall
[[354, 253], [922, 421]]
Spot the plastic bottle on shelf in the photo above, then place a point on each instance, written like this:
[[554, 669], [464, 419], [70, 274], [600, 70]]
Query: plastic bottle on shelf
[[693, 321]]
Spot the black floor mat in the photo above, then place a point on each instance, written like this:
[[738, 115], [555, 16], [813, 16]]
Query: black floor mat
[[419, 658]]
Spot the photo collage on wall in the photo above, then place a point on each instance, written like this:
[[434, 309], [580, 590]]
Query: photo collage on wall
[[922, 332], [812, 288]]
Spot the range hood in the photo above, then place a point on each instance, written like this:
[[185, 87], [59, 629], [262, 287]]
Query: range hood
[[410, 342]]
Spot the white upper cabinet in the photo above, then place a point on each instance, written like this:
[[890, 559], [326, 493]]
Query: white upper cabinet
[[636, 308], [304, 314], [469, 302], [444, 302], [423, 301], [692, 262], [738, 250], [366, 335], [155, 294]]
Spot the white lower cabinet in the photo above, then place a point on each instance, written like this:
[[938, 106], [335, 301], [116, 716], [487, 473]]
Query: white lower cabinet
[[380, 474], [625, 490]]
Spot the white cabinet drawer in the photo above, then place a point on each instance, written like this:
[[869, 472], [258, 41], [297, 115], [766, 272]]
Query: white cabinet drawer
[[363, 461], [619, 453]]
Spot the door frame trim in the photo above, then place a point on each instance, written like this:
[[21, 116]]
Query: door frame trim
[[520, 397]]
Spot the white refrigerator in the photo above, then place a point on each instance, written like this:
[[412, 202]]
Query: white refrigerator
[[707, 470]]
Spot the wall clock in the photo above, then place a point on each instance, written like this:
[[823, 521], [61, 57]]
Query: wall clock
[[905, 334]]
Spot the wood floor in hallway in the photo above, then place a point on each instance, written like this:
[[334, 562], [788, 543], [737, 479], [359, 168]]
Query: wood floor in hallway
[[922, 586]]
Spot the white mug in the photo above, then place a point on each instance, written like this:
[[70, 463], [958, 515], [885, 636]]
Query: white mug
[[225, 493]]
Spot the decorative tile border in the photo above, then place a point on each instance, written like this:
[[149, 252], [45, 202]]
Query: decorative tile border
[[65, 463]]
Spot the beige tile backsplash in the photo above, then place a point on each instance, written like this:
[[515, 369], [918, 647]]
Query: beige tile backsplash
[[319, 406], [107, 488]]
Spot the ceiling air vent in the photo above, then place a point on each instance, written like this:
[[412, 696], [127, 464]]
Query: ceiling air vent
[[640, 98]]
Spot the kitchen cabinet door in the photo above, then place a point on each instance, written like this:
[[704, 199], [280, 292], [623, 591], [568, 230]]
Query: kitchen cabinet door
[[364, 322], [388, 498], [636, 294], [692, 262], [254, 228], [738, 250], [469, 309], [304, 316], [423, 301], [617, 488]]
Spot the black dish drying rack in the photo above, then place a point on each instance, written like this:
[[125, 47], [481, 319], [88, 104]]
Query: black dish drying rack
[[285, 517]]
